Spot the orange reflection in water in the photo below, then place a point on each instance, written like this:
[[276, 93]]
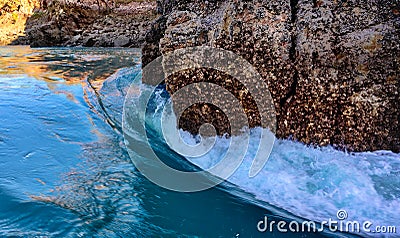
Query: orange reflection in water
[[85, 66]]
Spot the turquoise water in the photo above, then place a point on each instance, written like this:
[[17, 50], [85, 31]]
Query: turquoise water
[[65, 170]]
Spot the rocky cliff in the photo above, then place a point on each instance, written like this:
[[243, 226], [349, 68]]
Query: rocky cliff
[[332, 66], [13, 17], [105, 23]]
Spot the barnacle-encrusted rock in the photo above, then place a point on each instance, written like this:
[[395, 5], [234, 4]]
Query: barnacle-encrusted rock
[[332, 66]]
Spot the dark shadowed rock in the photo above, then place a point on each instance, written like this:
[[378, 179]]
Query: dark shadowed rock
[[332, 67], [121, 41]]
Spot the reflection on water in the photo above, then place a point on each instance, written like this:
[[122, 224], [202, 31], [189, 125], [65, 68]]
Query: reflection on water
[[55, 147], [64, 170], [66, 65]]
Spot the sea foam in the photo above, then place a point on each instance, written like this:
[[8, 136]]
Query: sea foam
[[315, 183]]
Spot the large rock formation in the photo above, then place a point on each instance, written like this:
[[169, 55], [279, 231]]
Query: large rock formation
[[101, 23], [332, 66]]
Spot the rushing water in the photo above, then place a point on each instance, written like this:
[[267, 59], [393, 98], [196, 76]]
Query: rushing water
[[65, 170]]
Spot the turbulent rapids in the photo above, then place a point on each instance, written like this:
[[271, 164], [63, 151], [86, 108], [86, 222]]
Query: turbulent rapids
[[312, 183]]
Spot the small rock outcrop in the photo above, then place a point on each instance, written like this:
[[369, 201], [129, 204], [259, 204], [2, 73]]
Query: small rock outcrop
[[332, 67]]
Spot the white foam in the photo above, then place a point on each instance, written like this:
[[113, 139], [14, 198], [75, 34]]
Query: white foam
[[315, 183]]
